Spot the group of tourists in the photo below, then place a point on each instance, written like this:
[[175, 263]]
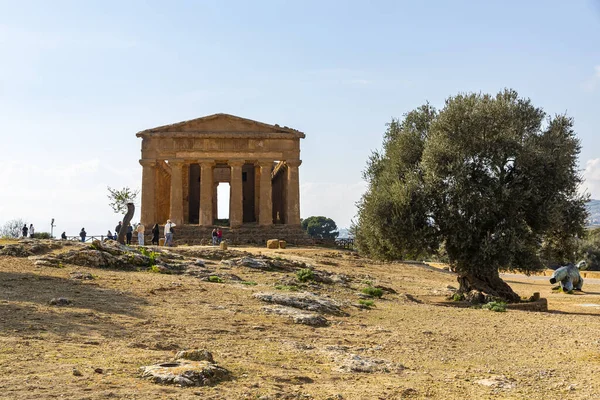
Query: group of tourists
[[140, 229], [217, 236], [28, 231]]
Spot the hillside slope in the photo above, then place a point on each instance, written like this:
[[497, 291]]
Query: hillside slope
[[402, 347]]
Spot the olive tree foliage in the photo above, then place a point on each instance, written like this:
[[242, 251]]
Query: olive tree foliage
[[122, 202], [12, 228], [320, 227], [491, 179]]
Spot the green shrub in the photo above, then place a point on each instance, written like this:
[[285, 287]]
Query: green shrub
[[498, 306], [249, 283], [305, 275], [373, 291], [152, 255], [215, 279], [158, 270], [367, 303], [42, 235], [458, 297], [288, 288]]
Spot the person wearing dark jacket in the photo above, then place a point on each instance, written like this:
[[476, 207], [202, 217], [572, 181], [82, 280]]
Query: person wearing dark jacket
[[155, 233], [129, 233], [25, 230], [82, 234], [117, 229]]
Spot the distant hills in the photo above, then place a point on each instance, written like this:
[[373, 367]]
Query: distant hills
[[593, 207]]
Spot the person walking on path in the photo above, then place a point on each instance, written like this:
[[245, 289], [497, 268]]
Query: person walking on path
[[169, 233], [82, 235], [140, 231], [31, 231], [155, 233], [214, 237], [24, 230], [219, 235], [129, 233]]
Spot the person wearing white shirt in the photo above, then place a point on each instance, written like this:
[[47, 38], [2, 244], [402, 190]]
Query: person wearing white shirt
[[140, 231], [169, 233]]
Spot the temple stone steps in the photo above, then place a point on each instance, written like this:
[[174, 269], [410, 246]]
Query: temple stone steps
[[247, 234]]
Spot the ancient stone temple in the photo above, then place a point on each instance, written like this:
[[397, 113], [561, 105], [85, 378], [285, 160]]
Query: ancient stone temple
[[183, 164]]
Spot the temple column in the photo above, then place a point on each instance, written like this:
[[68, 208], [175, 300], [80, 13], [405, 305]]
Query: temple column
[[148, 214], [176, 203], [236, 195], [265, 215], [293, 193], [214, 204], [206, 192]]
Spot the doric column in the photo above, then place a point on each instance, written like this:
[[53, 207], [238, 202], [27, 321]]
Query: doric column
[[148, 214], [265, 215], [236, 199], [206, 192], [293, 193], [214, 204], [176, 203]]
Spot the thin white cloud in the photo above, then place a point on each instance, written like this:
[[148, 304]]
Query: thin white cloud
[[594, 82], [591, 177], [333, 200]]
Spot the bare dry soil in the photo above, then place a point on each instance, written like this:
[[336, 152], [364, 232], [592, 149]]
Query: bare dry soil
[[123, 320]]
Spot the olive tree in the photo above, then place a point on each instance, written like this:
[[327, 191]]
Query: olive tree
[[491, 179], [122, 201]]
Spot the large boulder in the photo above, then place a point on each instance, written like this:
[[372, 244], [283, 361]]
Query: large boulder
[[273, 244]]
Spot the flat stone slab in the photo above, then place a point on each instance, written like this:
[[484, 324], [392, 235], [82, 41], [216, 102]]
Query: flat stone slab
[[299, 317], [304, 301]]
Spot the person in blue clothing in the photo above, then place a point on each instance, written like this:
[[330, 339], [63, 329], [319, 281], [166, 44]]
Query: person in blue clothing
[[82, 234]]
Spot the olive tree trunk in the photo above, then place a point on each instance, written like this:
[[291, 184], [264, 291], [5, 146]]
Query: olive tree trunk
[[487, 282], [126, 220]]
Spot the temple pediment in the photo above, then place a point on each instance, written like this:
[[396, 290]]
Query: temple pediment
[[220, 125]]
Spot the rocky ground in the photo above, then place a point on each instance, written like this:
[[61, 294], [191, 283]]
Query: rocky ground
[[105, 321]]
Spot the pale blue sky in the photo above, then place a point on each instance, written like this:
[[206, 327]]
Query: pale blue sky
[[78, 79]]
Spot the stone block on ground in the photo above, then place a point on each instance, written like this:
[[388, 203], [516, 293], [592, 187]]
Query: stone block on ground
[[273, 244], [190, 368], [299, 317], [282, 244], [304, 301]]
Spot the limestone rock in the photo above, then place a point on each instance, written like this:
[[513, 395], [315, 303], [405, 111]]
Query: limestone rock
[[497, 382], [82, 275], [190, 368], [60, 301], [305, 301], [282, 244], [195, 355], [356, 363], [297, 316], [273, 244]]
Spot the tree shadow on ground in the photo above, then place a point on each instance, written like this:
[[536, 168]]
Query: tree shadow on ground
[[24, 304]]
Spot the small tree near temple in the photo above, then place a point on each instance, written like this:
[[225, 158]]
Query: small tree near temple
[[491, 179], [122, 201], [320, 227]]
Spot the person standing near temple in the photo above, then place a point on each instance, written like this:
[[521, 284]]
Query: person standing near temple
[[31, 230], [219, 235], [129, 233], [24, 230], [155, 233], [169, 233], [140, 231], [118, 229], [214, 237]]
